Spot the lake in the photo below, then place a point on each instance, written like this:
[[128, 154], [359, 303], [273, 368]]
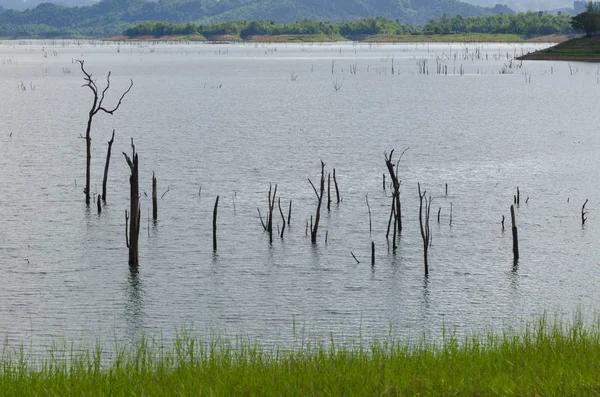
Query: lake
[[230, 119]]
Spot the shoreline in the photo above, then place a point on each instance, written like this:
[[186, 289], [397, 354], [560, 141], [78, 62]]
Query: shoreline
[[577, 49], [380, 39]]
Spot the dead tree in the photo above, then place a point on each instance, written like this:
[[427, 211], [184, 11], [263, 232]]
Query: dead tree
[[424, 224], [396, 193], [583, 213], [328, 191], [215, 224], [134, 207], [337, 191], [282, 217], [154, 198], [514, 234], [106, 167], [369, 208], [315, 227], [270, 215], [97, 106], [372, 253]]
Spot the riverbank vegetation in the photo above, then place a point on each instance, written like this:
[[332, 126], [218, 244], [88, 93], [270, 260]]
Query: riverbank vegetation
[[580, 49], [547, 358], [508, 27]]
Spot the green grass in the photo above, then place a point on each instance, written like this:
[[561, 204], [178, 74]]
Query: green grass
[[541, 359], [580, 49]]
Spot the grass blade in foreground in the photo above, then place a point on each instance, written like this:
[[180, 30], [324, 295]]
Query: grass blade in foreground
[[540, 360]]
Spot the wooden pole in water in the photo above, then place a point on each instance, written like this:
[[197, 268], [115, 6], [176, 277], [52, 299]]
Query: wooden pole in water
[[514, 233], [215, 224]]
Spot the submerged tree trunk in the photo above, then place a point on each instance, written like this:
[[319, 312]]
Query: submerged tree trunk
[[97, 106], [315, 227], [215, 224], [104, 180], [154, 198], [134, 206], [424, 225]]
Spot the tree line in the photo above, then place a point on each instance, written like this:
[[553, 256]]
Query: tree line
[[524, 24], [111, 17], [589, 20]]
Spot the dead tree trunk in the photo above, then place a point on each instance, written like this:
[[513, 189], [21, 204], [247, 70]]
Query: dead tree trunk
[[315, 227], [104, 180], [215, 225], [328, 192], [424, 224], [134, 207], [154, 198], [396, 194], [372, 253], [270, 215], [514, 233], [97, 106], [337, 191], [282, 217]]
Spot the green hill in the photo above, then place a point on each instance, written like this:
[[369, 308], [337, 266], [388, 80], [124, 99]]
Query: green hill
[[111, 17]]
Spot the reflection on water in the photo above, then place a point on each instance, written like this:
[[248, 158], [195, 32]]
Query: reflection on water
[[134, 305]]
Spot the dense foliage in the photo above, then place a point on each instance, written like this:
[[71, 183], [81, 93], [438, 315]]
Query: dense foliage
[[111, 17], [588, 21], [525, 24]]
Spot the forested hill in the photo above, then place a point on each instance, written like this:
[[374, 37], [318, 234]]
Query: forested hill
[[110, 17]]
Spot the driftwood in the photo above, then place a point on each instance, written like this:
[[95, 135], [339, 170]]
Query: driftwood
[[97, 106], [105, 178], [134, 207]]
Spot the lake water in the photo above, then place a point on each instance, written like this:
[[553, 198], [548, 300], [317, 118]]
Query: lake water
[[230, 119]]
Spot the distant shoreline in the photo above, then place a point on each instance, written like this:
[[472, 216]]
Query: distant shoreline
[[580, 49], [451, 38]]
